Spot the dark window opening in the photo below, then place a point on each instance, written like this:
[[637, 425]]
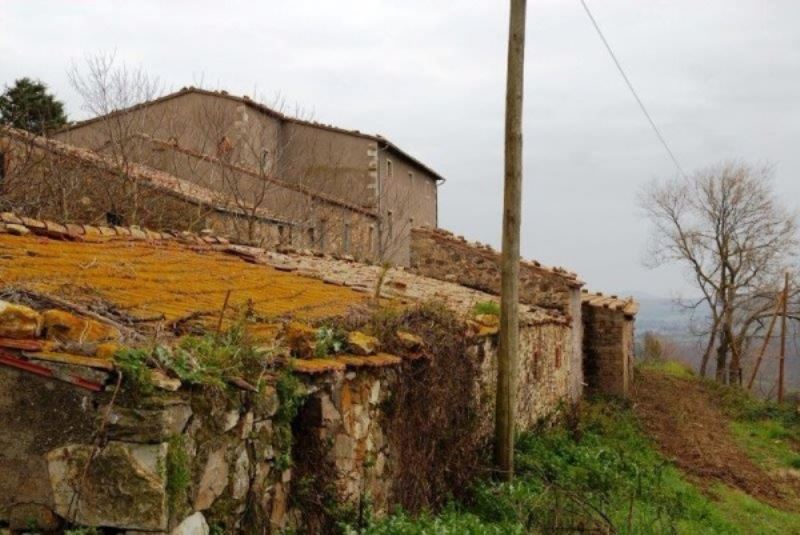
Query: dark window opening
[[2, 165], [114, 219]]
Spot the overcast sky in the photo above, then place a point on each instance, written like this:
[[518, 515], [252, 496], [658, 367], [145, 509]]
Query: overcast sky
[[720, 78]]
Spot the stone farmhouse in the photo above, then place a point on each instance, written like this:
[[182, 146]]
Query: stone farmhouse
[[398, 415], [202, 213], [362, 194]]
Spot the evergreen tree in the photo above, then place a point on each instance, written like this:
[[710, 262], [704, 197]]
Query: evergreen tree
[[29, 106]]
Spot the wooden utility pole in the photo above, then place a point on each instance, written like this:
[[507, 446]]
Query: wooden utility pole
[[783, 335], [778, 308], [505, 406]]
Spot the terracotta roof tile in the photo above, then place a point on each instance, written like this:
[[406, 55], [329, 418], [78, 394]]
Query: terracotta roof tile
[[627, 306]]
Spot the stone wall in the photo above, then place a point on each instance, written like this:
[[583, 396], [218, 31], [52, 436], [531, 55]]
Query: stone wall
[[544, 375], [231, 446], [439, 254], [608, 349]]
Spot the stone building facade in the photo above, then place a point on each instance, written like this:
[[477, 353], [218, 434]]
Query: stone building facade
[[240, 149], [601, 327], [182, 457], [45, 178], [439, 254], [608, 343]]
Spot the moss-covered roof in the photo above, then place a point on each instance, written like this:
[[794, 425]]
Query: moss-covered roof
[[149, 279]]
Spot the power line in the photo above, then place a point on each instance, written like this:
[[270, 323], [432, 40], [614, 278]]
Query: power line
[[633, 91]]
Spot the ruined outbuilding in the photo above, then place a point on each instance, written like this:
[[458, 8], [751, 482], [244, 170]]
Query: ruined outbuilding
[[319, 418]]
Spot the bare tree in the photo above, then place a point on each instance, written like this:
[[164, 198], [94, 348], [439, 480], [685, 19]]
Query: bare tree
[[735, 239], [107, 88]]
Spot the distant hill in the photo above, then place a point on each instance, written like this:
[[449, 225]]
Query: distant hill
[[663, 316]]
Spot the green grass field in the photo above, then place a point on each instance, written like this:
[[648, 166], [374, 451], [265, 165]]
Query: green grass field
[[602, 473]]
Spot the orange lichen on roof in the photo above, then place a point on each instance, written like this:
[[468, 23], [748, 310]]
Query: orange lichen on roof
[[166, 279], [337, 363], [317, 366], [70, 358], [372, 361]]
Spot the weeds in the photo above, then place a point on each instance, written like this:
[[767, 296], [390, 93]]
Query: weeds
[[291, 396], [602, 475], [205, 360], [178, 473], [486, 307], [330, 340]]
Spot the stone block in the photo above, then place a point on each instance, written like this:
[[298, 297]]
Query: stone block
[[213, 481], [194, 524], [362, 344], [146, 425], [123, 487]]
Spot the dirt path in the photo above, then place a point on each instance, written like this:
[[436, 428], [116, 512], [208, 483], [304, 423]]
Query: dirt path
[[683, 418]]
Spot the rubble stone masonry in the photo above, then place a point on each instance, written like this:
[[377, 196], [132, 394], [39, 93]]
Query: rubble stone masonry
[[441, 255], [608, 349]]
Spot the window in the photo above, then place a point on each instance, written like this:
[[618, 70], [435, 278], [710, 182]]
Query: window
[[346, 239], [389, 168], [2, 164], [390, 225], [113, 219], [558, 357], [281, 234], [311, 237]]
